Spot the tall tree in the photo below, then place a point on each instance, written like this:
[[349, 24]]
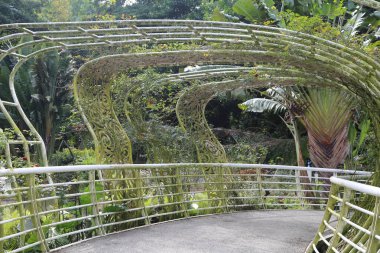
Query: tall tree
[[17, 11], [51, 77]]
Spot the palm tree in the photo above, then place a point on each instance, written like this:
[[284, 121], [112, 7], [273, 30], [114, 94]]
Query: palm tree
[[43, 90], [326, 119], [280, 100], [324, 112], [51, 77]]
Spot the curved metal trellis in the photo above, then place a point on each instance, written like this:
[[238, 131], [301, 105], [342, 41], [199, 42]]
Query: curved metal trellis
[[227, 43], [279, 55]]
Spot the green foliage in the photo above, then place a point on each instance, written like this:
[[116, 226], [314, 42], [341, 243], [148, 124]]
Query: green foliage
[[261, 105], [17, 158], [172, 9], [330, 9], [157, 100], [86, 198], [249, 10], [10, 227], [73, 156], [147, 109], [43, 90], [362, 141], [256, 11], [314, 25], [17, 11], [198, 201], [55, 11], [50, 79], [243, 153]]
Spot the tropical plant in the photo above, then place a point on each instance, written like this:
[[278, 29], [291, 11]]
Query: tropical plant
[[50, 81], [362, 141], [43, 88], [326, 117], [280, 100], [324, 112]]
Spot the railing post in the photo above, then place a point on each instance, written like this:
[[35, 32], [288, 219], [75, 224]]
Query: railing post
[[94, 201], [374, 244], [2, 232], [342, 214], [180, 191], [318, 189], [299, 187], [20, 207], [34, 213], [259, 181], [326, 217], [140, 195], [221, 188]]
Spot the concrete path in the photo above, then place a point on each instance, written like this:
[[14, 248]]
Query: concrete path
[[285, 231]]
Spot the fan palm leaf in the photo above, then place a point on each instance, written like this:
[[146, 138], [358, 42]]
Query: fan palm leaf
[[326, 119]]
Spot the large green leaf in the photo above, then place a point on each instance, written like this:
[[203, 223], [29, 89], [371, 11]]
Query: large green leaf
[[249, 9], [261, 105], [352, 26]]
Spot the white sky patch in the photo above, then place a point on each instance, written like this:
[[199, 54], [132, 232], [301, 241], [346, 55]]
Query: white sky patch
[[129, 2]]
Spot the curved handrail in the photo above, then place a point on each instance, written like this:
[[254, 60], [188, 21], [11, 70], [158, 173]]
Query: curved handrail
[[357, 226], [74, 168], [160, 192], [359, 187]]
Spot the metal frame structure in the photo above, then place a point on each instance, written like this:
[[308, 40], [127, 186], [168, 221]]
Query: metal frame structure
[[277, 56], [318, 61]]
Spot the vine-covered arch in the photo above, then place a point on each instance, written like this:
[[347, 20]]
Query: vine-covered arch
[[226, 43], [94, 79]]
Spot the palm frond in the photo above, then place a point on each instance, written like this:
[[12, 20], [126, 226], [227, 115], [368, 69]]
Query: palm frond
[[326, 120], [261, 105], [352, 25]]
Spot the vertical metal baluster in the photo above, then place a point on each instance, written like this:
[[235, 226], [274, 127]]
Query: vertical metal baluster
[[223, 192], [342, 214], [140, 194], [32, 192], [326, 217], [94, 201], [20, 207], [261, 192], [2, 230], [299, 187], [374, 243], [182, 199]]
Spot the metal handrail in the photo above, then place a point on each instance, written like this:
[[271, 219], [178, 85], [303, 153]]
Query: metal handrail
[[113, 205], [75, 168], [359, 187], [358, 202]]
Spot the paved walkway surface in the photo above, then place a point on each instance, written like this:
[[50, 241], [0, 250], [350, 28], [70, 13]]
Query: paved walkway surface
[[285, 231]]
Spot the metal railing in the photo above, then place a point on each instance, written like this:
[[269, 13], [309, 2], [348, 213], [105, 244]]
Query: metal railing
[[94, 200], [351, 220]]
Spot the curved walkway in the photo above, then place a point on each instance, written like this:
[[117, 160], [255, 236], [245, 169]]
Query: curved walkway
[[283, 231]]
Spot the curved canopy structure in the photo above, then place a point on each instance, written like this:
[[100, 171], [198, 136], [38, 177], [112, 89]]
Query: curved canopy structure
[[132, 195], [299, 59]]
